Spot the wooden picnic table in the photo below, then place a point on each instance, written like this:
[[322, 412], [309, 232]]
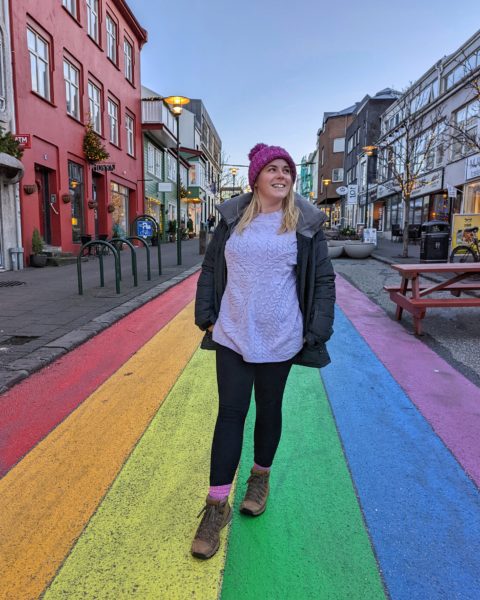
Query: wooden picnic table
[[416, 298]]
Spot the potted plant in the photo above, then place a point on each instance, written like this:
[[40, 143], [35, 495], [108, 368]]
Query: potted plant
[[37, 259], [172, 230], [66, 198], [190, 228], [110, 208], [30, 188]]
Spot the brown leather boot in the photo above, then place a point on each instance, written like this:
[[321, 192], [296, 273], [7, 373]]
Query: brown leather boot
[[217, 514], [255, 501]]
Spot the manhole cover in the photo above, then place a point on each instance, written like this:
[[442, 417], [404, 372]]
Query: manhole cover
[[18, 340], [11, 283]]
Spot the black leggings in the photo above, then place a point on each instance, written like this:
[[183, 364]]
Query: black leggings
[[236, 379]]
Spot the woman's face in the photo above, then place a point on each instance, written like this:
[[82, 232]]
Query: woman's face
[[274, 181]]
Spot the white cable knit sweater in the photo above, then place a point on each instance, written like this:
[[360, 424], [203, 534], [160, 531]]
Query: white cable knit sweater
[[260, 317]]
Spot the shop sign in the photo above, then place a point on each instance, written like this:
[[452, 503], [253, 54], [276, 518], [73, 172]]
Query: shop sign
[[102, 167], [352, 194], [472, 167], [164, 187], [370, 235], [372, 194], [430, 182], [463, 229], [24, 139], [387, 188]]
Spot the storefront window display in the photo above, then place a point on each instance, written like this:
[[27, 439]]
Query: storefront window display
[[440, 207], [154, 208], [471, 202], [396, 211], [418, 210], [119, 198]]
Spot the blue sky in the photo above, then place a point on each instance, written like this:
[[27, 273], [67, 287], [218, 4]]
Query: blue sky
[[267, 70]]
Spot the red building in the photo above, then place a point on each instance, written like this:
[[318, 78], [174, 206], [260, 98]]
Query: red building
[[77, 61]]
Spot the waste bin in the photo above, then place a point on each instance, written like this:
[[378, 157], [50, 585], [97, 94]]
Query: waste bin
[[434, 242]]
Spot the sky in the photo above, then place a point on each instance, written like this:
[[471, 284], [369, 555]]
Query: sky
[[267, 70]]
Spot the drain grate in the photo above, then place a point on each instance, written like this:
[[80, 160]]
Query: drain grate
[[11, 283], [19, 340]]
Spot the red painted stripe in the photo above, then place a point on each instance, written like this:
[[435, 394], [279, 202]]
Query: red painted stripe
[[31, 409]]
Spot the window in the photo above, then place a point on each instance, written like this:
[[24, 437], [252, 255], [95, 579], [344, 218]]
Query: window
[[339, 144], [171, 167], [466, 121], [322, 161], [71, 6], [350, 144], [130, 135], [111, 28], [157, 163], [337, 175], [119, 197], [128, 59], [72, 92], [3, 95], [462, 70], [113, 118], [39, 63], [94, 101], [92, 20]]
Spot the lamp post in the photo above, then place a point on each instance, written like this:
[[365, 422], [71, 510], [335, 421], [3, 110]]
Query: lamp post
[[176, 104], [369, 151], [233, 171]]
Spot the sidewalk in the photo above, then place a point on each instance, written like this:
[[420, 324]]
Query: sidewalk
[[391, 252], [42, 315]]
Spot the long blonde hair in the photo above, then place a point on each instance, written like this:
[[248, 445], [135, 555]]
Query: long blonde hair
[[290, 213]]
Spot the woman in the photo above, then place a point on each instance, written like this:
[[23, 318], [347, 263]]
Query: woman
[[275, 310]]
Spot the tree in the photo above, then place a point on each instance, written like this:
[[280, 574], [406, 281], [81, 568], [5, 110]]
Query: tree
[[411, 149]]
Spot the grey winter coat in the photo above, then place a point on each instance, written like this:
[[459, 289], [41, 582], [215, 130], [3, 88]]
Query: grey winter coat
[[315, 278]]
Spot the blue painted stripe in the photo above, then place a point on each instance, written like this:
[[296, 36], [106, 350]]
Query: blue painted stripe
[[421, 509]]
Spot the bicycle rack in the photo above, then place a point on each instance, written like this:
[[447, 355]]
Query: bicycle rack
[[133, 255], [147, 248], [100, 256], [157, 233]]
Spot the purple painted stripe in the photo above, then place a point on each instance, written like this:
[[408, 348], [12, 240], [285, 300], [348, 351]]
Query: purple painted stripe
[[447, 399]]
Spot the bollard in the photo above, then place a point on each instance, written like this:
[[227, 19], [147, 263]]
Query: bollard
[[202, 241]]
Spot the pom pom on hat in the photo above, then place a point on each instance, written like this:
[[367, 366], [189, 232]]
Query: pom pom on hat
[[262, 154]]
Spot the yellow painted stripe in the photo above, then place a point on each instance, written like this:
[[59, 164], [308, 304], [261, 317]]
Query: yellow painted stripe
[[47, 499], [137, 544]]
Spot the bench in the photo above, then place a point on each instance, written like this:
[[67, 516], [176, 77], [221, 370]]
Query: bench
[[416, 298]]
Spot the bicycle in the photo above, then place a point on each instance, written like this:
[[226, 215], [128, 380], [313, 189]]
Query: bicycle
[[469, 250]]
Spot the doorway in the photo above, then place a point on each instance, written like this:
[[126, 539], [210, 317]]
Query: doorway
[[45, 208]]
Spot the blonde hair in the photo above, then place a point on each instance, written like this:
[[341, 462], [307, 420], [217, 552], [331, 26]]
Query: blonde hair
[[290, 213]]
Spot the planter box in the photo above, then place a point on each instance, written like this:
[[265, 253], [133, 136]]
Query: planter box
[[335, 251], [38, 260], [359, 249]]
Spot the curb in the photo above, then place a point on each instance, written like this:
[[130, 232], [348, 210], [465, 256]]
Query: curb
[[27, 365]]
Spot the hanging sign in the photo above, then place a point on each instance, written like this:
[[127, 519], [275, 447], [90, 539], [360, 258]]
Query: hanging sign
[[24, 139], [102, 167], [352, 194]]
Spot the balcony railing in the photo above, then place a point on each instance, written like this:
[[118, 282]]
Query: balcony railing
[[154, 110]]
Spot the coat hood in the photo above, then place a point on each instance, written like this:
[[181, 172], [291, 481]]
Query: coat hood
[[309, 222]]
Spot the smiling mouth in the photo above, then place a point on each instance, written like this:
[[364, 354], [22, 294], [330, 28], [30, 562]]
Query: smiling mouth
[[278, 185]]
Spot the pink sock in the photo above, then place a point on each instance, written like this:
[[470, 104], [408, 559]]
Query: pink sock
[[219, 492], [260, 468]]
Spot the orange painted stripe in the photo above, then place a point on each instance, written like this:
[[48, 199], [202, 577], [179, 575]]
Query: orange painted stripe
[[49, 496]]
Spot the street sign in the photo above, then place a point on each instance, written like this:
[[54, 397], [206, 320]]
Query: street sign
[[24, 139], [164, 186], [144, 229], [352, 194], [104, 167], [342, 190]]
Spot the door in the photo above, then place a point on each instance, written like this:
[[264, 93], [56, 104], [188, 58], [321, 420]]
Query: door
[[45, 208], [95, 200]]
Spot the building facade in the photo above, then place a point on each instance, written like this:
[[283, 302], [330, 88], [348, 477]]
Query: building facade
[[360, 166], [83, 66], [450, 180], [11, 169], [330, 149]]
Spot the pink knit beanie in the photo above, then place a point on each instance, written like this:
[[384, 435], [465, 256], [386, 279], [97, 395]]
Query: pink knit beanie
[[261, 154]]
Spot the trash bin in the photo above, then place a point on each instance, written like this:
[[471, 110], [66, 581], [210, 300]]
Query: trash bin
[[16, 257], [434, 242]]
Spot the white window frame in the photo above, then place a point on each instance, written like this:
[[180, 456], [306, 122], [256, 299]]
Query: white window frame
[[130, 133], [157, 163], [36, 60], [113, 121], [93, 21], [72, 88], [111, 29], [128, 60], [95, 106], [172, 168], [339, 145], [337, 175], [71, 6]]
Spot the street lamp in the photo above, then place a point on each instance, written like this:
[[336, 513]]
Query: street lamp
[[369, 151], [176, 104], [233, 171]]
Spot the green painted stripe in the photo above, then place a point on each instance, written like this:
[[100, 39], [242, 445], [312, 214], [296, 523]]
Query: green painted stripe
[[137, 545], [311, 542]]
